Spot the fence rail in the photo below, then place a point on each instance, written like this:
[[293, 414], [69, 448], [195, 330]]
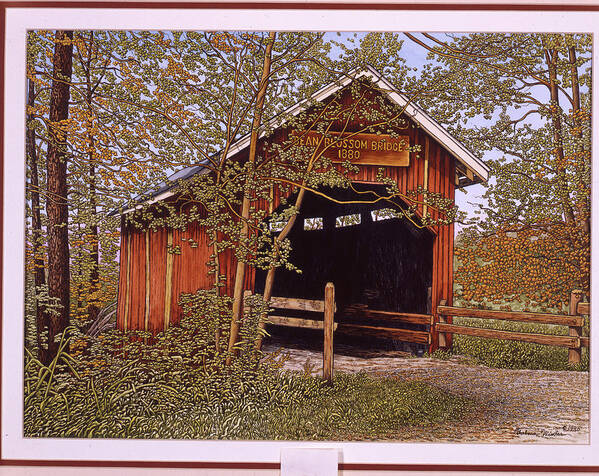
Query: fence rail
[[574, 320], [406, 335], [546, 339], [512, 316], [298, 322], [352, 320], [388, 316]]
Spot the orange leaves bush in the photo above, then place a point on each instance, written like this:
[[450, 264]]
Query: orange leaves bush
[[531, 265]]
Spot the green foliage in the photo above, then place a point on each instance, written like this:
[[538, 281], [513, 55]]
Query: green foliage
[[119, 380], [525, 100], [440, 354]]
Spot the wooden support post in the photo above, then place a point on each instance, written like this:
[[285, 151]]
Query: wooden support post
[[425, 178], [574, 353], [128, 284], [429, 300], [147, 304], [329, 319], [168, 280], [442, 320]]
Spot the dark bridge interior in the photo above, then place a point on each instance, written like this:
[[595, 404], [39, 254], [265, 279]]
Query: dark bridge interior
[[381, 264]]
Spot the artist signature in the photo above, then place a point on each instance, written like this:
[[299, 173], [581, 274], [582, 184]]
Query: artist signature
[[547, 433]]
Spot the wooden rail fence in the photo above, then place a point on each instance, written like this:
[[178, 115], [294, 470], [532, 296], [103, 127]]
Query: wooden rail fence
[[574, 320], [352, 324]]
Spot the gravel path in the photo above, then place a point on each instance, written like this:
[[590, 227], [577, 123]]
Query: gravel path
[[515, 406]]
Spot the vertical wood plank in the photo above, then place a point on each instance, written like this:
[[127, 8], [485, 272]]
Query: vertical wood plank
[[135, 304], [575, 353], [425, 172], [450, 245], [139, 281], [158, 241], [329, 319], [128, 284], [437, 266], [169, 280], [444, 231], [410, 169], [122, 296], [147, 284], [175, 315]]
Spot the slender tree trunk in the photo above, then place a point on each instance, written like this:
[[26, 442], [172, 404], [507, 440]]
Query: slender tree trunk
[[92, 232], [551, 58], [56, 202], [94, 255], [94, 278], [39, 276], [270, 276], [586, 223], [575, 87], [245, 207]]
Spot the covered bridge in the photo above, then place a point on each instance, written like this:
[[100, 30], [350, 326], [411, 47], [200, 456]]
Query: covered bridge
[[383, 265]]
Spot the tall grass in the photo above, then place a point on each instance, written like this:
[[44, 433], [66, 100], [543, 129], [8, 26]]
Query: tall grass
[[514, 354]]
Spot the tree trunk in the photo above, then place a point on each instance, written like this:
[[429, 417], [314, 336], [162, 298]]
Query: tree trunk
[[580, 163], [94, 278], [56, 202], [270, 276], [94, 255], [551, 58], [575, 85], [39, 276], [245, 207]]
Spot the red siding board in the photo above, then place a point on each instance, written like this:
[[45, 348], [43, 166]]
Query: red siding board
[[158, 242], [176, 286], [133, 283], [133, 301], [120, 315], [434, 165], [410, 169], [140, 281], [449, 272]]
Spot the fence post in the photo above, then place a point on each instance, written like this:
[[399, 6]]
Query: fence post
[[574, 353], [329, 319], [442, 320]]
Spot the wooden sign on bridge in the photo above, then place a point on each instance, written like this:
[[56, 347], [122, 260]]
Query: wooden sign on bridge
[[359, 148]]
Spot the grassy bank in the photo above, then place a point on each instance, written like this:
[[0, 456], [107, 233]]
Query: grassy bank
[[268, 405], [513, 354]]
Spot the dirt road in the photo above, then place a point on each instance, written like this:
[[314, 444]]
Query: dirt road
[[515, 406]]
